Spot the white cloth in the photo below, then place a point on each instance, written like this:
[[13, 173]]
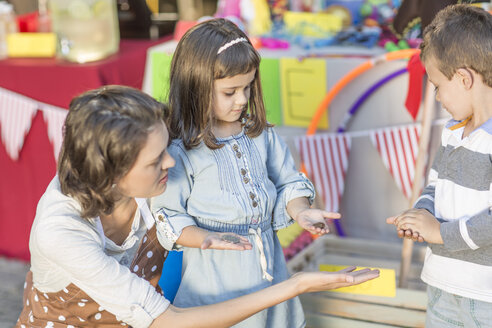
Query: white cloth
[[68, 249]]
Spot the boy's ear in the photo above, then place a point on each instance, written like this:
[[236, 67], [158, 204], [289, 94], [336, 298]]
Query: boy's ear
[[466, 77]]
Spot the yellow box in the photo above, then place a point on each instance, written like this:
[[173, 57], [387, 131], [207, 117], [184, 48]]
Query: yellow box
[[384, 285], [31, 44], [312, 24]]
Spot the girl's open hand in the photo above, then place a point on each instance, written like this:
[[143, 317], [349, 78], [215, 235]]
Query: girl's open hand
[[314, 220], [320, 281], [226, 241]]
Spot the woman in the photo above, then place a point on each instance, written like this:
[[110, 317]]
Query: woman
[[95, 252]]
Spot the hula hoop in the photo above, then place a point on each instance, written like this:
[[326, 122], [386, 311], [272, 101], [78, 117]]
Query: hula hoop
[[349, 77], [355, 107], [399, 54]]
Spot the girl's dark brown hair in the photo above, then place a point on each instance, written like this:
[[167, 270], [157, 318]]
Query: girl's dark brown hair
[[104, 132], [194, 68]]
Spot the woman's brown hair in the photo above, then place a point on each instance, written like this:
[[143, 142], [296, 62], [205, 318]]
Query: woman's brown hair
[[195, 66], [104, 132]]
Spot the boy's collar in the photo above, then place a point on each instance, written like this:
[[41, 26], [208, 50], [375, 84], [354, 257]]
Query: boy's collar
[[454, 125]]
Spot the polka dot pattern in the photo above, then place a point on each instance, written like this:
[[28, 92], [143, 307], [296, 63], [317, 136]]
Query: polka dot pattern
[[71, 307]]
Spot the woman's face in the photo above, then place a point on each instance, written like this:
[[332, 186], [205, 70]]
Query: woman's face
[[148, 176]]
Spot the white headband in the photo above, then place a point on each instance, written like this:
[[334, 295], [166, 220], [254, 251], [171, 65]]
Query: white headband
[[231, 43]]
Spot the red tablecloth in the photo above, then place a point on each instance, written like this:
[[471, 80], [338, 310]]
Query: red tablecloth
[[54, 82]]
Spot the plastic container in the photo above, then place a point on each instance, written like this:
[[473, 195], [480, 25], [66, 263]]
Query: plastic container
[[87, 30], [7, 25]]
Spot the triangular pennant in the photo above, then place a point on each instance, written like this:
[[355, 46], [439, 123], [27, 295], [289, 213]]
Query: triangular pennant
[[398, 147], [54, 118], [325, 157], [16, 114]]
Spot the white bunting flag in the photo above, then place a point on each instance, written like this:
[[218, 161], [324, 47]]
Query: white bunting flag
[[54, 118], [16, 114], [398, 147], [325, 157]]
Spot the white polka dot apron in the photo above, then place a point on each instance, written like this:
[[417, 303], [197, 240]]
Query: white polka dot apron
[[71, 307]]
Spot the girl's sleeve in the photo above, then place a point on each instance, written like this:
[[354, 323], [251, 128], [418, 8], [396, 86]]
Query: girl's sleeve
[[290, 183], [170, 208]]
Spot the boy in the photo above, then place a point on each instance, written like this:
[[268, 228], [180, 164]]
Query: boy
[[453, 214]]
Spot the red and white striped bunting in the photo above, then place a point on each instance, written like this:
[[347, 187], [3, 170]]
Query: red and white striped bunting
[[54, 118], [398, 147], [16, 114], [325, 157]]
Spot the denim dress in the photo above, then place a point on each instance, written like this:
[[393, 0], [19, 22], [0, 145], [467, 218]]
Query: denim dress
[[244, 188]]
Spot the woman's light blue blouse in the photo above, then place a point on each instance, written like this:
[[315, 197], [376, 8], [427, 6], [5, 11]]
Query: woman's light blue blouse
[[248, 181]]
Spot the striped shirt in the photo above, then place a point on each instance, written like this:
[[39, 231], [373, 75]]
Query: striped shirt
[[459, 195]]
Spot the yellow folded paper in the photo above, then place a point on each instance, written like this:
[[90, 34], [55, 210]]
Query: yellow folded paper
[[31, 44]]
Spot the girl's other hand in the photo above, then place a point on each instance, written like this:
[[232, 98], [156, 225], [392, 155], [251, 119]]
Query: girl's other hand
[[320, 281], [314, 220], [226, 241]]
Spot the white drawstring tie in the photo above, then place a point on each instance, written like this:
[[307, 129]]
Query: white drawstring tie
[[263, 261]]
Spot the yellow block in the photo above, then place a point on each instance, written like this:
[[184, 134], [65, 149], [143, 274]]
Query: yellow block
[[385, 285], [287, 235], [303, 87], [313, 24], [31, 44]]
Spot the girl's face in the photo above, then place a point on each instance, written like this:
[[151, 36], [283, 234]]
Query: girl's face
[[231, 96], [452, 93], [148, 176]]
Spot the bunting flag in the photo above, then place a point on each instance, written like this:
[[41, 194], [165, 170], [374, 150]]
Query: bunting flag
[[325, 157], [16, 114], [54, 118], [398, 147]]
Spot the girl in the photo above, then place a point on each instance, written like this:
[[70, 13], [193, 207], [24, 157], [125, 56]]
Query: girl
[[233, 174], [95, 255]]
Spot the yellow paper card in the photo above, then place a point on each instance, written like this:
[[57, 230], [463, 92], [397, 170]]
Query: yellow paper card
[[385, 285], [303, 85]]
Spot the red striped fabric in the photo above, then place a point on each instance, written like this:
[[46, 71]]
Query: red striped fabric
[[398, 147], [325, 157], [16, 114]]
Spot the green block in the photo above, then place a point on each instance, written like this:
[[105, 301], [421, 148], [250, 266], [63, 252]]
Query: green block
[[270, 82], [161, 68]]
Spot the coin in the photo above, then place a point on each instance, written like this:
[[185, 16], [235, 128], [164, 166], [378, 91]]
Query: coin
[[231, 239], [320, 225]]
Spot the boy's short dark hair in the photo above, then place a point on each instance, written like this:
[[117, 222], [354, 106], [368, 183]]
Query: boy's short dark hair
[[460, 36]]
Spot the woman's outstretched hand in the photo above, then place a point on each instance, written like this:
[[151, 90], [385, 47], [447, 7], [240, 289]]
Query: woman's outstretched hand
[[226, 241], [321, 281]]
